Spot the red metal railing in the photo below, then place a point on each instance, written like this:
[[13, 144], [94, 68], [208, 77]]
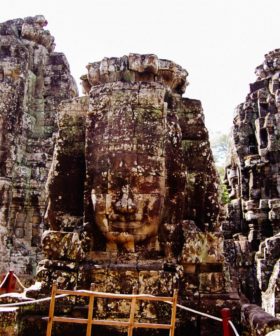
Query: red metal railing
[[226, 316], [8, 283]]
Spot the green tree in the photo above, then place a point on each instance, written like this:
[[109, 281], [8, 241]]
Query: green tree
[[220, 146]]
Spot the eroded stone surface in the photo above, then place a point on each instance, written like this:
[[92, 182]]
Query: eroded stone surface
[[132, 161], [131, 195], [253, 181], [33, 81], [8, 321], [257, 322], [133, 177]]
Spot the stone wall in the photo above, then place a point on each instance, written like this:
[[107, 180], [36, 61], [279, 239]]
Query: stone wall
[[252, 176], [33, 81]]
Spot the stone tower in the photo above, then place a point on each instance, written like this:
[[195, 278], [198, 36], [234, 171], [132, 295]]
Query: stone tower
[[132, 191], [252, 175], [33, 81]]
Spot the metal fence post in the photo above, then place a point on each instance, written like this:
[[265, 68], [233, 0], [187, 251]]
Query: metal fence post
[[226, 316], [11, 286]]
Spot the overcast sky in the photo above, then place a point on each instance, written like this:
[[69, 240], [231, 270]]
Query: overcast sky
[[219, 42]]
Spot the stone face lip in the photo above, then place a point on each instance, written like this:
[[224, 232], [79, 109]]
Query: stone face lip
[[136, 68]]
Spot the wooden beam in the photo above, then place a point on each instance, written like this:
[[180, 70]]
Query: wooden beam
[[131, 324], [51, 310], [132, 313], [116, 296], [90, 311], [152, 325], [173, 313]]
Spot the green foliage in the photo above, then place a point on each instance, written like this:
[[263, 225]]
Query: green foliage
[[223, 192], [224, 196], [219, 144]]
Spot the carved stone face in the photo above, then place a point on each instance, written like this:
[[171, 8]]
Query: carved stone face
[[127, 164], [131, 209]]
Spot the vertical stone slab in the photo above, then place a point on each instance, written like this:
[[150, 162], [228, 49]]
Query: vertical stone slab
[[252, 175], [33, 81]]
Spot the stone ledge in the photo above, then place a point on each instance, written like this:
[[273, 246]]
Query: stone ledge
[[258, 322], [136, 68]]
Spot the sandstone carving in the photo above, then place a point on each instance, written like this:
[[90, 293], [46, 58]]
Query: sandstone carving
[[133, 185], [33, 81], [120, 187], [253, 182], [126, 146]]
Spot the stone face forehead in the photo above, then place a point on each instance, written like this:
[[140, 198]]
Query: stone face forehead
[[126, 117], [138, 68], [127, 130]]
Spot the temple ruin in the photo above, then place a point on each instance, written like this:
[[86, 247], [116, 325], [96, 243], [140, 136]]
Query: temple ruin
[[33, 81], [252, 175], [118, 188], [145, 208]]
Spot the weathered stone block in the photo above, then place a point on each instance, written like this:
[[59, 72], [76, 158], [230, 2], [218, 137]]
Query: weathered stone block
[[202, 247], [63, 245], [257, 321], [8, 321], [211, 282], [253, 211]]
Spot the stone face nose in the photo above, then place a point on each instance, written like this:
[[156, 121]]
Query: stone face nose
[[125, 204]]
